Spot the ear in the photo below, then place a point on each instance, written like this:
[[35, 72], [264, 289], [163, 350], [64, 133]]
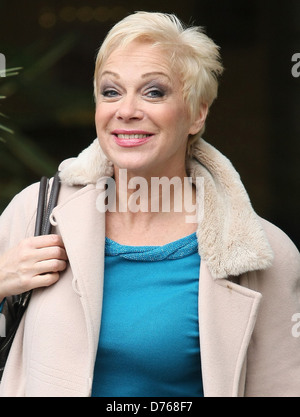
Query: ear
[[199, 121]]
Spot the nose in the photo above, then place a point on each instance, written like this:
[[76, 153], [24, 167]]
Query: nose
[[129, 108]]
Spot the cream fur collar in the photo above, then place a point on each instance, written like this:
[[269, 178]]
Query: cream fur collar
[[230, 236]]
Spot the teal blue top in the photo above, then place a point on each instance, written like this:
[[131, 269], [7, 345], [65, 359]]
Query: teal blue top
[[149, 338]]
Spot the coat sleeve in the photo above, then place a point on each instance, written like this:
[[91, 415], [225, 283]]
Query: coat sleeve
[[17, 222], [273, 366]]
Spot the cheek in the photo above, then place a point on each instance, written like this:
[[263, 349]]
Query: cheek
[[103, 115], [178, 122], [101, 126], [99, 115], [171, 118]]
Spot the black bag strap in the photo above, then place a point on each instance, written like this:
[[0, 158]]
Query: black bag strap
[[42, 227], [42, 223], [46, 229], [41, 207]]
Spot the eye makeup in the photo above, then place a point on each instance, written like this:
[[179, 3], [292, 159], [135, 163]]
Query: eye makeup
[[154, 85]]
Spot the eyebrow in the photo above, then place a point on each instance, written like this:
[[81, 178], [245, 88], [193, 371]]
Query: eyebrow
[[148, 74]]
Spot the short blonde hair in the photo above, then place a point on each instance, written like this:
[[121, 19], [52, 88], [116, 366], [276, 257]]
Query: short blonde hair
[[193, 55]]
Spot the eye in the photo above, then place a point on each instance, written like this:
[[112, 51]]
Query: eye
[[155, 93], [109, 93]]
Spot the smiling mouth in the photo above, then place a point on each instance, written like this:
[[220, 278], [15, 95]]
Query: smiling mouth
[[135, 136], [130, 140]]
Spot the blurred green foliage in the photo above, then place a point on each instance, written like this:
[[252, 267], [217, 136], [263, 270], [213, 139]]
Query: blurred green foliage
[[33, 100]]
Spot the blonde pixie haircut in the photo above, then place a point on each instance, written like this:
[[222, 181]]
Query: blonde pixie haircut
[[193, 55]]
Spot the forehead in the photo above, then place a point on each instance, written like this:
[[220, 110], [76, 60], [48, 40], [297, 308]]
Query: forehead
[[138, 58]]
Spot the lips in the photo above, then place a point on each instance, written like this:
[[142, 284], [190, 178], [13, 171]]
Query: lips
[[131, 138], [135, 136]]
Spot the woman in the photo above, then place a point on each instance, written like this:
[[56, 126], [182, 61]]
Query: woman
[[133, 296]]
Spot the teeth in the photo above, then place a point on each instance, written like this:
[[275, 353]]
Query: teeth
[[121, 136]]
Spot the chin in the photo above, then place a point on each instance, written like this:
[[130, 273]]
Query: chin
[[133, 163], [138, 169]]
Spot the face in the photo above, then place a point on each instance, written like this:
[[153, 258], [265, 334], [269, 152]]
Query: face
[[142, 121]]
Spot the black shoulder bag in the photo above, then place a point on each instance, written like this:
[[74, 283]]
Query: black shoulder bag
[[15, 306]]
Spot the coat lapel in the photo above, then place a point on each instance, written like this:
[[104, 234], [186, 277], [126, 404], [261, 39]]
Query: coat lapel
[[82, 228], [227, 314], [230, 235]]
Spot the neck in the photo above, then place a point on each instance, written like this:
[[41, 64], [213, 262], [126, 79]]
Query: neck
[[152, 195], [151, 210]]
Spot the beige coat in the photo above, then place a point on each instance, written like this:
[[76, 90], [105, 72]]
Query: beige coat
[[248, 289]]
